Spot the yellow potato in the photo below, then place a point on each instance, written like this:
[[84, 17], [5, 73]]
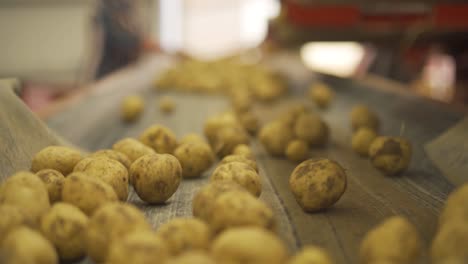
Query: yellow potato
[[53, 181], [362, 139], [297, 150], [227, 139], [11, 217], [250, 122], [240, 173], [456, 207], [159, 138], [241, 100], [64, 226], [132, 148], [290, 116], [239, 158], [312, 129], [321, 94], [450, 243], [59, 158], [243, 150], [215, 123], [311, 255], [167, 104], [275, 137], [192, 257], [317, 184], [115, 155], [195, 158], [190, 138], [131, 108], [362, 116], [391, 155]]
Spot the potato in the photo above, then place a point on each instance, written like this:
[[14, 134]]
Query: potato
[[159, 138], [297, 150], [312, 129], [131, 108], [195, 158], [24, 245], [183, 234], [240, 158], [109, 171], [65, 225], [86, 192], [53, 181], [248, 245], [321, 94], [456, 207], [317, 184], [156, 177], [250, 122], [311, 255], [275, 137], [132, 148], [11, 218], [362, 139], [241, 100], [391, 155], [362, 116], [243, 150], [450, 243], [395, 240], [112, 223], [190, 138], [166, 104], [227, 139], [240, 173], [203, 200], [290, 116], [215, 123], [59, 158], [26, 191], [138, 247], [192, 257], [115, 155]]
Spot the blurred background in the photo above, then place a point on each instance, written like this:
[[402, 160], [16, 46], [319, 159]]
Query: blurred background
[[57, 47]]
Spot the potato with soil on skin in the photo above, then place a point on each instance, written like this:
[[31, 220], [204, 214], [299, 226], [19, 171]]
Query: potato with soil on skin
[[321, 94], [59, 158], [11, 217], [450, 243], [109, 171], [391, 155], [159, 138], [311, 255], [456, 207], [192, 257], [227, 139], [167, 104], [190, 138], [250, 122], [362, 116], [112, 223], [131, 108], [215, 123], [317, 184], [138, 247], [132, 148], [312, 129], [64, 226], [395, 240], [53, 181], [113, 154], [86, 192], [156, 177], [275, 137], [290, 116], [243, 150], [362, 139], [297, 150], [24, 245], [183, 234], [240, 173], [195, 158], [26, 191], [239, 158], [241, 101], [249, 245]]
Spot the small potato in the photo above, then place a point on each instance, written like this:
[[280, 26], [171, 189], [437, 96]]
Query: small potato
[[132, 148], [138, 247], [312, 129], [112, 223], [11, 218], [297, 150], [131, 108], [192, 257], [321, 94], [239, 158], [159, 138], [250, 122], [53, 181], [166, 104], [59, 158], [395, 240], [241, 100], [248, 245], [156, 177], [202, 204], [275, 137], [362, 139], [217, 122], [391, 155], [24, 246], [86, 192], [115, 155], [183, 234], [240, 173], [190, 138], [195, 158], [311, 255], [456, 207], [238, 208], [27, 192], [450, 243], [290, 116], [109, 171], [243, 150], [227, 139], [362, 116], [317, 184], [65, 225]]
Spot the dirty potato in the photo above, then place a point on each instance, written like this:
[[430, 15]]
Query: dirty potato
[[321, 94], [311, 255], [297, 150], [240, 173], [190, 138], [115, 155], [290, 115], [362, 139], [317, 184], [275, 137], [53, 181], [159, 138], [240, 158], [167, 104], [195, 158], [12, 217], [243, 150], [227, 139], [131, 108], [456, 207], [312, 129], [250, 122], [156, 177], [215, 123], [391, 155], [59, 158], [132, 148], [362, 116], [192, 257], [65, 225], [450, 243]]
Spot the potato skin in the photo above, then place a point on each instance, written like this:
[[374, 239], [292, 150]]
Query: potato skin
[[275, 137], [156, 177], [321, 94], [24, 245], [64, 226], [131, 108], [391, 155], [456, 207], [317, 184], [167, 104], [53, 181], [113, 154], [240, 173], [312, 129], [215, 123], [191, 138], [395, 240], [227, 139], [132, 148], [243, 150], [11, 218], [159, 138], [59, 158], [248, 245], [311, 255], [362, 139], [87, 193], [250, 122], [450, 243], [297, 150], [192, 257], [240, 158], [289, 117], [111, 223], [195, 158], [362, 116]]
